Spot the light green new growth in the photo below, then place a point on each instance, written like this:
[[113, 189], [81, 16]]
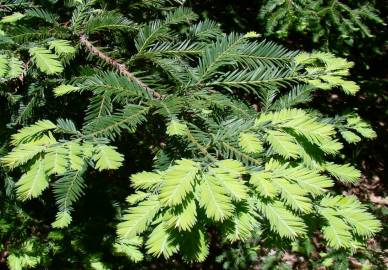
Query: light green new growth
[[46, 61]]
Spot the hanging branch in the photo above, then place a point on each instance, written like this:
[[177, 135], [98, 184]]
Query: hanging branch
[[120, 67]]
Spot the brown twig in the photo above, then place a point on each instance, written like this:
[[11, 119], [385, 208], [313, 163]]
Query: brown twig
[[120, 67], [25, 68]]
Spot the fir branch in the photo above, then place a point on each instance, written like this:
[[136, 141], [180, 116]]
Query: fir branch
[[121, 68], [241, 154], [201, 148]]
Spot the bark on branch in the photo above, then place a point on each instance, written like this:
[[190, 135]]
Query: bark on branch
[[121, 68]]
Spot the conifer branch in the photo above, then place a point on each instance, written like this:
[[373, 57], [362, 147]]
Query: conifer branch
[[201, 148], [223, 164], [121, 68], [241, 154]]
